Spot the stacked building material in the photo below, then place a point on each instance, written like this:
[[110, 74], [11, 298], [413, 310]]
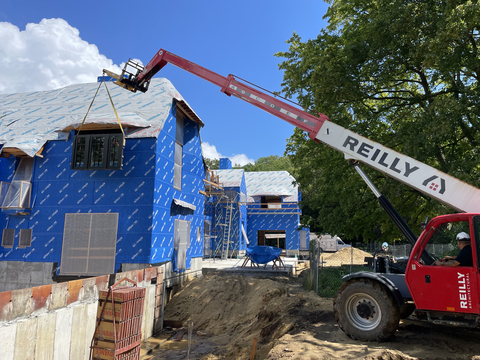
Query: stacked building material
[[119, 324]]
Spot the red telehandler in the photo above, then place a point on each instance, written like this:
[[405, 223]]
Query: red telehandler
[[369, 305]]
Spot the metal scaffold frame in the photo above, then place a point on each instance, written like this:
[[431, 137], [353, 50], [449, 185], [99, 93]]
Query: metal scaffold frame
[[222, 207]]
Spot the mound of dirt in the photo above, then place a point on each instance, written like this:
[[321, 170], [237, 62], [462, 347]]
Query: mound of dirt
[[346, 256], [229, 312]]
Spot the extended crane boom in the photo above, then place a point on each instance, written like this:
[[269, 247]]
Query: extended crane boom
[[426, 179]]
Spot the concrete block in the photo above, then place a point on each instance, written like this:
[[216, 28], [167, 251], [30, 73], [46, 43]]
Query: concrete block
[[41, 297], [12, 271], [63, 334], [21, 303], [77, 347], [45, 336], [150, 313], [90, 327], [102, 282], [59, 296], [74, 288], [3, 271], [25, 340], [9, 286], [90, 292], [24, 271], [38, 276], [47, 273], [8, 334]]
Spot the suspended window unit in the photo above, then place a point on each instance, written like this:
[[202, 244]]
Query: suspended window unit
[[17, 194], [97, 152]]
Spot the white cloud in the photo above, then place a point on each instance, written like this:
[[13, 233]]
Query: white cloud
[[47, 55], [210, 152]]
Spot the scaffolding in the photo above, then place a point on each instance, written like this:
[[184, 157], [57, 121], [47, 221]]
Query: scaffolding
[[221, 235]]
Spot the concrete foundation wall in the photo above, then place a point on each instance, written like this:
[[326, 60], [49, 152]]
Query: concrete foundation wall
[[173, 278], [16, 275], [58, 321]]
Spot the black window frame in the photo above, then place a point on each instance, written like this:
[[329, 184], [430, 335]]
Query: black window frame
[[106, 153]]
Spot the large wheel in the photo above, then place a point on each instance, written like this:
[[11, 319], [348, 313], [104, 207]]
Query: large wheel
[[366, 310]]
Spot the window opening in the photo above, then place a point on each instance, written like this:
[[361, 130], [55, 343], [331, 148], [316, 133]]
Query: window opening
[[303, 240], [182, 242], [443, 241], [271, 202], [8, 237], [25, 238], [19, 191], [177, 176]]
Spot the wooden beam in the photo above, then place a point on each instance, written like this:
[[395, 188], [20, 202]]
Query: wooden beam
[[212, 183]]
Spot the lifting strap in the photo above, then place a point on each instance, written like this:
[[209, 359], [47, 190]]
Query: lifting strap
[[111, 101]]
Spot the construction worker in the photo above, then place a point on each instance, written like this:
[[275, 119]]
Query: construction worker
[[464, 257]]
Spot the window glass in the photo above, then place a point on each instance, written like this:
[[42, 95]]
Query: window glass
[[97, 151], [443, 241], [179, 129], [114, 158], [80, 145]]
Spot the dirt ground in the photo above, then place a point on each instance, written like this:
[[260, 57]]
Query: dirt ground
[[229, 312]]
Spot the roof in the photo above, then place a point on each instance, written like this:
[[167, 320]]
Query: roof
[[230, 178], [271, 183], [29, 120]]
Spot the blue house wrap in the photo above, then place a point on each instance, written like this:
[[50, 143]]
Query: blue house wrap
[[91, 221]]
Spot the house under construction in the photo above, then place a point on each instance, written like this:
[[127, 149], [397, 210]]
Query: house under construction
[[251, 208]]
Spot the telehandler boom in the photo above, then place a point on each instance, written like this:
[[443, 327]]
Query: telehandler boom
[[369, 305]]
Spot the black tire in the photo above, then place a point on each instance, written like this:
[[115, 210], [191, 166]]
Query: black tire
[[366, 310]]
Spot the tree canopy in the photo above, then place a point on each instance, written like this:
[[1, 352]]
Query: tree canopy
[[268, 163], [403, 73]]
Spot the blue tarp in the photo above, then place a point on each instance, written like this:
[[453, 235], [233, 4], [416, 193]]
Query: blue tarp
[[263, 254]]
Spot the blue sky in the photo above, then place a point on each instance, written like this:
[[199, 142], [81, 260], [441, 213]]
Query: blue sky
[[228, 37]]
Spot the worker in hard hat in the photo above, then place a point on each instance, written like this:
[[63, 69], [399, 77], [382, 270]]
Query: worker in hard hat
[[464, 257]]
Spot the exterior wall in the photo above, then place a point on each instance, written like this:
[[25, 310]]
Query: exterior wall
[[286, 219], [57, 191], [165, 211], [58, 321]]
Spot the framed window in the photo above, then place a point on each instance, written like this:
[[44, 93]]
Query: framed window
[[97, 152], [16, 196], [8, 237], [177, 176], [25, 238]]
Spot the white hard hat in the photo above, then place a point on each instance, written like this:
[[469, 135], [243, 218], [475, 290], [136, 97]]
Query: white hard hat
[[463, 236]]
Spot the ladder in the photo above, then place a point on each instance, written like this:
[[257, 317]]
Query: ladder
[[227, 230]]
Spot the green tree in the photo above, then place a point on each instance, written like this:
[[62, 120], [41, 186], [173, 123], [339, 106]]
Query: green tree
[[403, 73], [270, 163], [212, 164]]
